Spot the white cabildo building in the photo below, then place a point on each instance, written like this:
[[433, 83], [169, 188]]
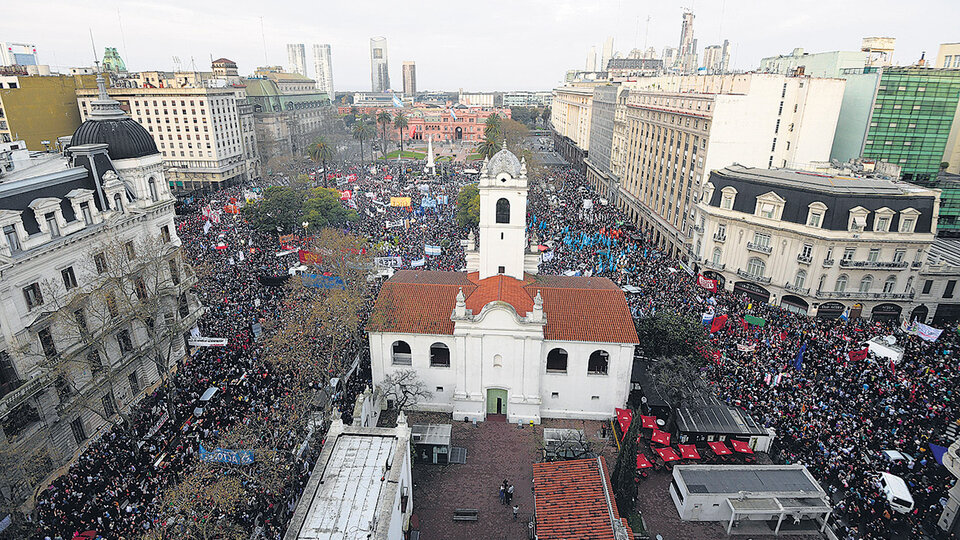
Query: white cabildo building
[[499, 339]]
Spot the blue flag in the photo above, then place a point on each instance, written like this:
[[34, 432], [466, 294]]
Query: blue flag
[[938, 452], [799, 362]]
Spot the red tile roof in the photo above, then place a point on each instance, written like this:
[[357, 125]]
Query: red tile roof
[[577, 308], [570, 501]]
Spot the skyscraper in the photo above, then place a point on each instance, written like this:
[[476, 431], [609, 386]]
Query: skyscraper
[[607, 53], [323, 66], [379, 72], [592, 59], [409, 79], [687, 57], [297, 58]]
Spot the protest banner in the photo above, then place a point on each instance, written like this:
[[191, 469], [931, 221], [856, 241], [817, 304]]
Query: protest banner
[[857, 356], [220, 455], [400, 202], [418, 263], [308, 257], [387, 262], [432, 250], [207, 342], [288, 238], [707, 283]]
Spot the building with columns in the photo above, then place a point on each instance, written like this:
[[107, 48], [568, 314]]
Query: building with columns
[[499, 339], [817, 244]]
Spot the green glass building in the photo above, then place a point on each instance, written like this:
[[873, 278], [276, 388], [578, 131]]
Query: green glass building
[[911, 118]]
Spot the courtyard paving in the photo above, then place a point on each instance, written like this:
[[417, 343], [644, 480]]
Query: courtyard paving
[[498, 451]]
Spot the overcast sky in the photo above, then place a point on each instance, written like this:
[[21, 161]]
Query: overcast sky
[[477, 45]]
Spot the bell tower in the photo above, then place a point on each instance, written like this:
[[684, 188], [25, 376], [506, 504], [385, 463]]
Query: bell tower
[[503, 215]]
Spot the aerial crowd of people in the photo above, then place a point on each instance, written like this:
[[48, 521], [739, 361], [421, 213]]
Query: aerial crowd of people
[[832, 413]]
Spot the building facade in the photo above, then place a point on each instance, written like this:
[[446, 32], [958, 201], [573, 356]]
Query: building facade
[[379, 69], [948, 56], [297, 58], [76, 350], [475, 100], [409, 79], [527, 99], [198, 130], [18, 54], [498, 339], [285, 122], [37, 110], [465, 124], [674, 130], [323, 69], [602, 119], [570, 112], [816, 244]]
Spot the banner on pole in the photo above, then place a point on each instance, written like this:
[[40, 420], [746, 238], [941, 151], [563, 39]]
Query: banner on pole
[[418, 263], [706, 283], [431, 250], [402, 202], [308, 257]]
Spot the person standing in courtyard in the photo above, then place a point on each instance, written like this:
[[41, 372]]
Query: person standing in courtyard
[[516, 510], [510, 494], [503, 495]]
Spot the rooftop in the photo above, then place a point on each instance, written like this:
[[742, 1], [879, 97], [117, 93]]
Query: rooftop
[[574, 499], [783, 480], [345, 502], [945, 250], [577, 308], [837, 185]]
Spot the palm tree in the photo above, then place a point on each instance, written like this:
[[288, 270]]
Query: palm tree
[[493, 129], [400, 122], [320, 152], [384, 119], [361, 131], [488, 147]]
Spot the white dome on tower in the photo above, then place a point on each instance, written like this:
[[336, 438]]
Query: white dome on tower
[[504, 161]]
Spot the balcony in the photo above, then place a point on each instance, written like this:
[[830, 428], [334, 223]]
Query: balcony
[[698, 228], [849, 263], [752, 277], [857, 295], [761, 248], [805, 259], [916, 264], [799, 290], [714, 266], [827, 263], [717, 237]]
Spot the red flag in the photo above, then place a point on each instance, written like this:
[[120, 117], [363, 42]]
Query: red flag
[[718, 323], [745, 325], [858, 356], [708, 284]]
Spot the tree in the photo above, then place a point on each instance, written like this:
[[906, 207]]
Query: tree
[[400, 122], [488, 147], [624, 471], [279, 209], [320, 152], [670, 334], [513, 133], [323, 209], [404, 388], [384, 119], [679, 381], [468, 206], [361, 131], [492, 128]]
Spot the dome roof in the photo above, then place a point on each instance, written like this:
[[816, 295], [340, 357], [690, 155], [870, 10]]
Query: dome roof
[[504, 161], [125, 137], [108, 124]]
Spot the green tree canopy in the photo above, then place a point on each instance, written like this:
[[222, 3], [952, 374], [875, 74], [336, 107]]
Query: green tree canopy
[[287, 208], [468, 206], [670, 334], [323, 208]]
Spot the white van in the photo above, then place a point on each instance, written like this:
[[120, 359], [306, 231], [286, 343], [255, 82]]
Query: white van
[[896, 491]]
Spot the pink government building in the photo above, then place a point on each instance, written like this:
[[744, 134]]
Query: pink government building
[[454, 123]]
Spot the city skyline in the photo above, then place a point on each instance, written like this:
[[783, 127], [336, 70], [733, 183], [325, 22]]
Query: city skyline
[[505, 47]]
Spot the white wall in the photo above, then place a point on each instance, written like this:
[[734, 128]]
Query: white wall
[[576, 387]]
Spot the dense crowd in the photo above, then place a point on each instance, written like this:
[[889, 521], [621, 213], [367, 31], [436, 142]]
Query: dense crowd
[[833, 414]]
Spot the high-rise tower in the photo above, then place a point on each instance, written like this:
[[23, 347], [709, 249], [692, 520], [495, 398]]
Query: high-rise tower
[[409, 79], [379, 72], [687, 56], [323, 66], [297, 58]]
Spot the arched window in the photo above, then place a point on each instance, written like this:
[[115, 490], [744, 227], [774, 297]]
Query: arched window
[[717, 256], [598, 363], [557, 361], [841, 283], [503, 211], [118, 203], [401, 354], [909, 284], [756, 266], [800, 279], [866, 283], [439, 355], [153, 189], [889, 284]]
